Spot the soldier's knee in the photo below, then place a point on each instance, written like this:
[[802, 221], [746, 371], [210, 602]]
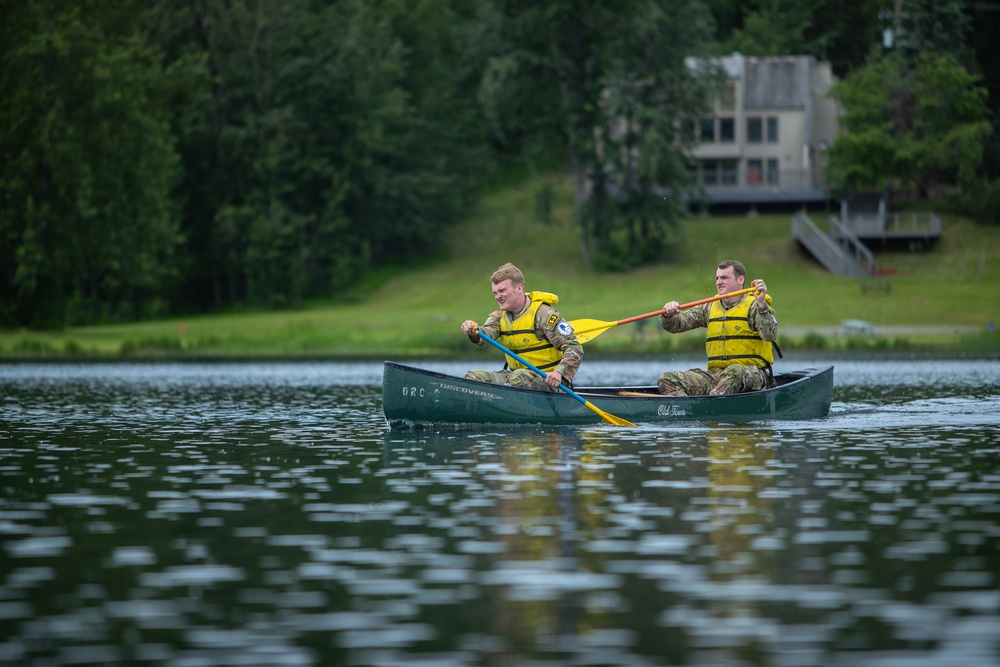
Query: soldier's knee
[[669, 385], [521, 378], [480, 376]]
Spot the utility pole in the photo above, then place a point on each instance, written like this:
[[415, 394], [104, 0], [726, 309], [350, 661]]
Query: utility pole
[[890, 36]]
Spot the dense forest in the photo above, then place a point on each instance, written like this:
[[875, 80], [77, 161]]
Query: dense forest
[[199, 155]]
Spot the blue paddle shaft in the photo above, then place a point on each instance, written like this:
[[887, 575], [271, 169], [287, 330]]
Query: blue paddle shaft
[[529, 365]]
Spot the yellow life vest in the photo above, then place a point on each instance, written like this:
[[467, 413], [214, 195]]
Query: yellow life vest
[[730, 340], [518, 335]]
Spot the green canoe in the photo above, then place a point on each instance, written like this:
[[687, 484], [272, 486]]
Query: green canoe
[[414, 397]]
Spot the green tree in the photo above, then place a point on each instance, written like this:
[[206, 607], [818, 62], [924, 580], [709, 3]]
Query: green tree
[[840, 32], [933, 25], [774, 27], [607, 82], [257, 198], [88, 229], [333, 137], [909, 126]]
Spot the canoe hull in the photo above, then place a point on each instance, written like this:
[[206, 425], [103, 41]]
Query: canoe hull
[[414, 397]]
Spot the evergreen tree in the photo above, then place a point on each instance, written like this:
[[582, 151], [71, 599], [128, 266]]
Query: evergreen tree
[[334, 137], [933, 25], [609, 80], [836, 31], [88, 229], [774, 27], [909, 126]]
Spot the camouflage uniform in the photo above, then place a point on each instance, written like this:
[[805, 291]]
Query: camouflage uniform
[[546, 326], [732, 379]]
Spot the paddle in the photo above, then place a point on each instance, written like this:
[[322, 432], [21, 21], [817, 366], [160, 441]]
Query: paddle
[[609, 418], [587, 330]]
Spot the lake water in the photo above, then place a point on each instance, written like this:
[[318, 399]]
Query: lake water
[[263, 514]]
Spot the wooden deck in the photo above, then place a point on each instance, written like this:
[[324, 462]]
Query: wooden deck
[[846, 247], [895, 229]]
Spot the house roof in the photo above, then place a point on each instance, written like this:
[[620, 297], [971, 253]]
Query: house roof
[[777, 83], [770, 82]]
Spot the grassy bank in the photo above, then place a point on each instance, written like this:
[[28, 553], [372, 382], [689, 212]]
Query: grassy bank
[[416, 312]]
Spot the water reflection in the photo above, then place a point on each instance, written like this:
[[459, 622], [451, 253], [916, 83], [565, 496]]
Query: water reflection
[[249, 515]]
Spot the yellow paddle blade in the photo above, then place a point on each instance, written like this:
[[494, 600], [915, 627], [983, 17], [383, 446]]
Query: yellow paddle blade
[[586, 330], [590, 329], [609, 418]]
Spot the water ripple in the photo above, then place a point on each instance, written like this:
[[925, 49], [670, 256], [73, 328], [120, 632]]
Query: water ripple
[[264, 514]]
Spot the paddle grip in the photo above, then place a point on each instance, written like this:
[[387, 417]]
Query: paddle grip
[[699, 302]]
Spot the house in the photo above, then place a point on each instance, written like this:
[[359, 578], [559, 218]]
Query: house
[[770, 126]]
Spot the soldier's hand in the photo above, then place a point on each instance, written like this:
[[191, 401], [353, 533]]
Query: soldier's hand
[[760, 289], [470, 328], [671, 308], [553, 379]]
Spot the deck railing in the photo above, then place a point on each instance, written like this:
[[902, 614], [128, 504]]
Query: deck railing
[[828, 252], [795, 179], [894, 224], [735, 185], [853, 246], [913, 224]]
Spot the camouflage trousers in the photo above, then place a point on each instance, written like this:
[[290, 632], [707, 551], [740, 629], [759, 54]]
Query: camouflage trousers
[[696, 382], [520, 377]]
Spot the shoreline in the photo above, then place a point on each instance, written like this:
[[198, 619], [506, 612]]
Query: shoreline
[[886, 330]]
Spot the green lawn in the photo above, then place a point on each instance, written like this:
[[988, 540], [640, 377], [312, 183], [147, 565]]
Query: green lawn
[[418, 312]]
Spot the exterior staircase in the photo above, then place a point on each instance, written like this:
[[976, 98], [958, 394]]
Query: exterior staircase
[[839, 250]]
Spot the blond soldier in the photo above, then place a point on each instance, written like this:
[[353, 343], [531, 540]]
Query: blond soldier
[[528, 325], [739, 341]]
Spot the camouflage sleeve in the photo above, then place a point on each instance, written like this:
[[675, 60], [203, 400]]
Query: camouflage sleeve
[[491, 328], [686, 320], [559, 332], [762, 321]]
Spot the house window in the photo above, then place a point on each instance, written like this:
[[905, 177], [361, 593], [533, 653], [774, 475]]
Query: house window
[[755, 131], [718, 172], [708, 131], [727, 130], [772, 171], [728, 169], [709, 172], [755, 172], [772, 130]]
